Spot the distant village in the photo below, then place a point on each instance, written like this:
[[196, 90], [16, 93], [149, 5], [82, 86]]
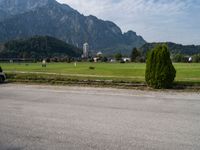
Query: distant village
[[89, 56], [99, 56]]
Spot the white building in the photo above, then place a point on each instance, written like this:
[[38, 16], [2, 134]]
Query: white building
[[99, 54], [126, 59], [190, 59], [85, 50]]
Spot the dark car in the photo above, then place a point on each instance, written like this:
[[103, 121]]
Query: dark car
[[2, 77]]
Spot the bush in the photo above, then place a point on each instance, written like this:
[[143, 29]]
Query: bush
[[196, 58], [122, 62], [104, 59], [180, 58], [91, 60], [140, 59], [91, 68], [160, 72], [1, 69]]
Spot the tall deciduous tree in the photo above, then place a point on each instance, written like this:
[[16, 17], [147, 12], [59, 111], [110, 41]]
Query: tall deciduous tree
[[135, 53], [118, 56]]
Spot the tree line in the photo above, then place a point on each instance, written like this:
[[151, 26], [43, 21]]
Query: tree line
[[38, 47]]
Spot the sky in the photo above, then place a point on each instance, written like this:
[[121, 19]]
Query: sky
[[155, 20]]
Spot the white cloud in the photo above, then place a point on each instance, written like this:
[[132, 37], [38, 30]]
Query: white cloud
[[150, 18], [131, 6]]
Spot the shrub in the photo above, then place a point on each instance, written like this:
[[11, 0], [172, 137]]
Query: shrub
[[91, 68], [122, 62], [104, 59], [140, 59], [160, 72], [91, 60], [196, 58], [180, 58]]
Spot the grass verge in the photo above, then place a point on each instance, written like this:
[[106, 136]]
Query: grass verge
[[54, 79], [70, 80]]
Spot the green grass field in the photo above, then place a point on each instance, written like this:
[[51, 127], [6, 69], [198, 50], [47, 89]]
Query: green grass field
[[109, 71]]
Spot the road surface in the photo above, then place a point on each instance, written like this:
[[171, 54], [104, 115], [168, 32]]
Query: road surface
[[35, 117]]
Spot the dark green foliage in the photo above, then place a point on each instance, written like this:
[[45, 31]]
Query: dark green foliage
[[135, 54], [174, 48], [122, 62], [2, 79], [180, 58], [104, 59], [38, 47], [118, 56], [160, 72], [196, 58], [91, 68], [140, 59]]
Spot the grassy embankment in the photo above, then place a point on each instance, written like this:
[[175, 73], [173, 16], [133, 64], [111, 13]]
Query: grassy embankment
[[103, 73]]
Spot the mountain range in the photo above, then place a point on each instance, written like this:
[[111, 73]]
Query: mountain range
[[27, 18]]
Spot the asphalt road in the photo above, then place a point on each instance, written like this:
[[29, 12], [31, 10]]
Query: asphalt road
[[34, 117]]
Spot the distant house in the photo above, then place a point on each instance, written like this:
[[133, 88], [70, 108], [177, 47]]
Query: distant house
[[190, 59], [96, 59], [126, 59], [113, 60], [99, 54]]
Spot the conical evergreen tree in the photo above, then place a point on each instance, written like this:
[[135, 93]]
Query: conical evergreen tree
[[160, 72]]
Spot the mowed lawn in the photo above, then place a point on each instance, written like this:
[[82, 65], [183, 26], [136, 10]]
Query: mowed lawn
[[116, 71]]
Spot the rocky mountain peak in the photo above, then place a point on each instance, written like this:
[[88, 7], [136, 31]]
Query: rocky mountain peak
[[14, 7], [48, 17]]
